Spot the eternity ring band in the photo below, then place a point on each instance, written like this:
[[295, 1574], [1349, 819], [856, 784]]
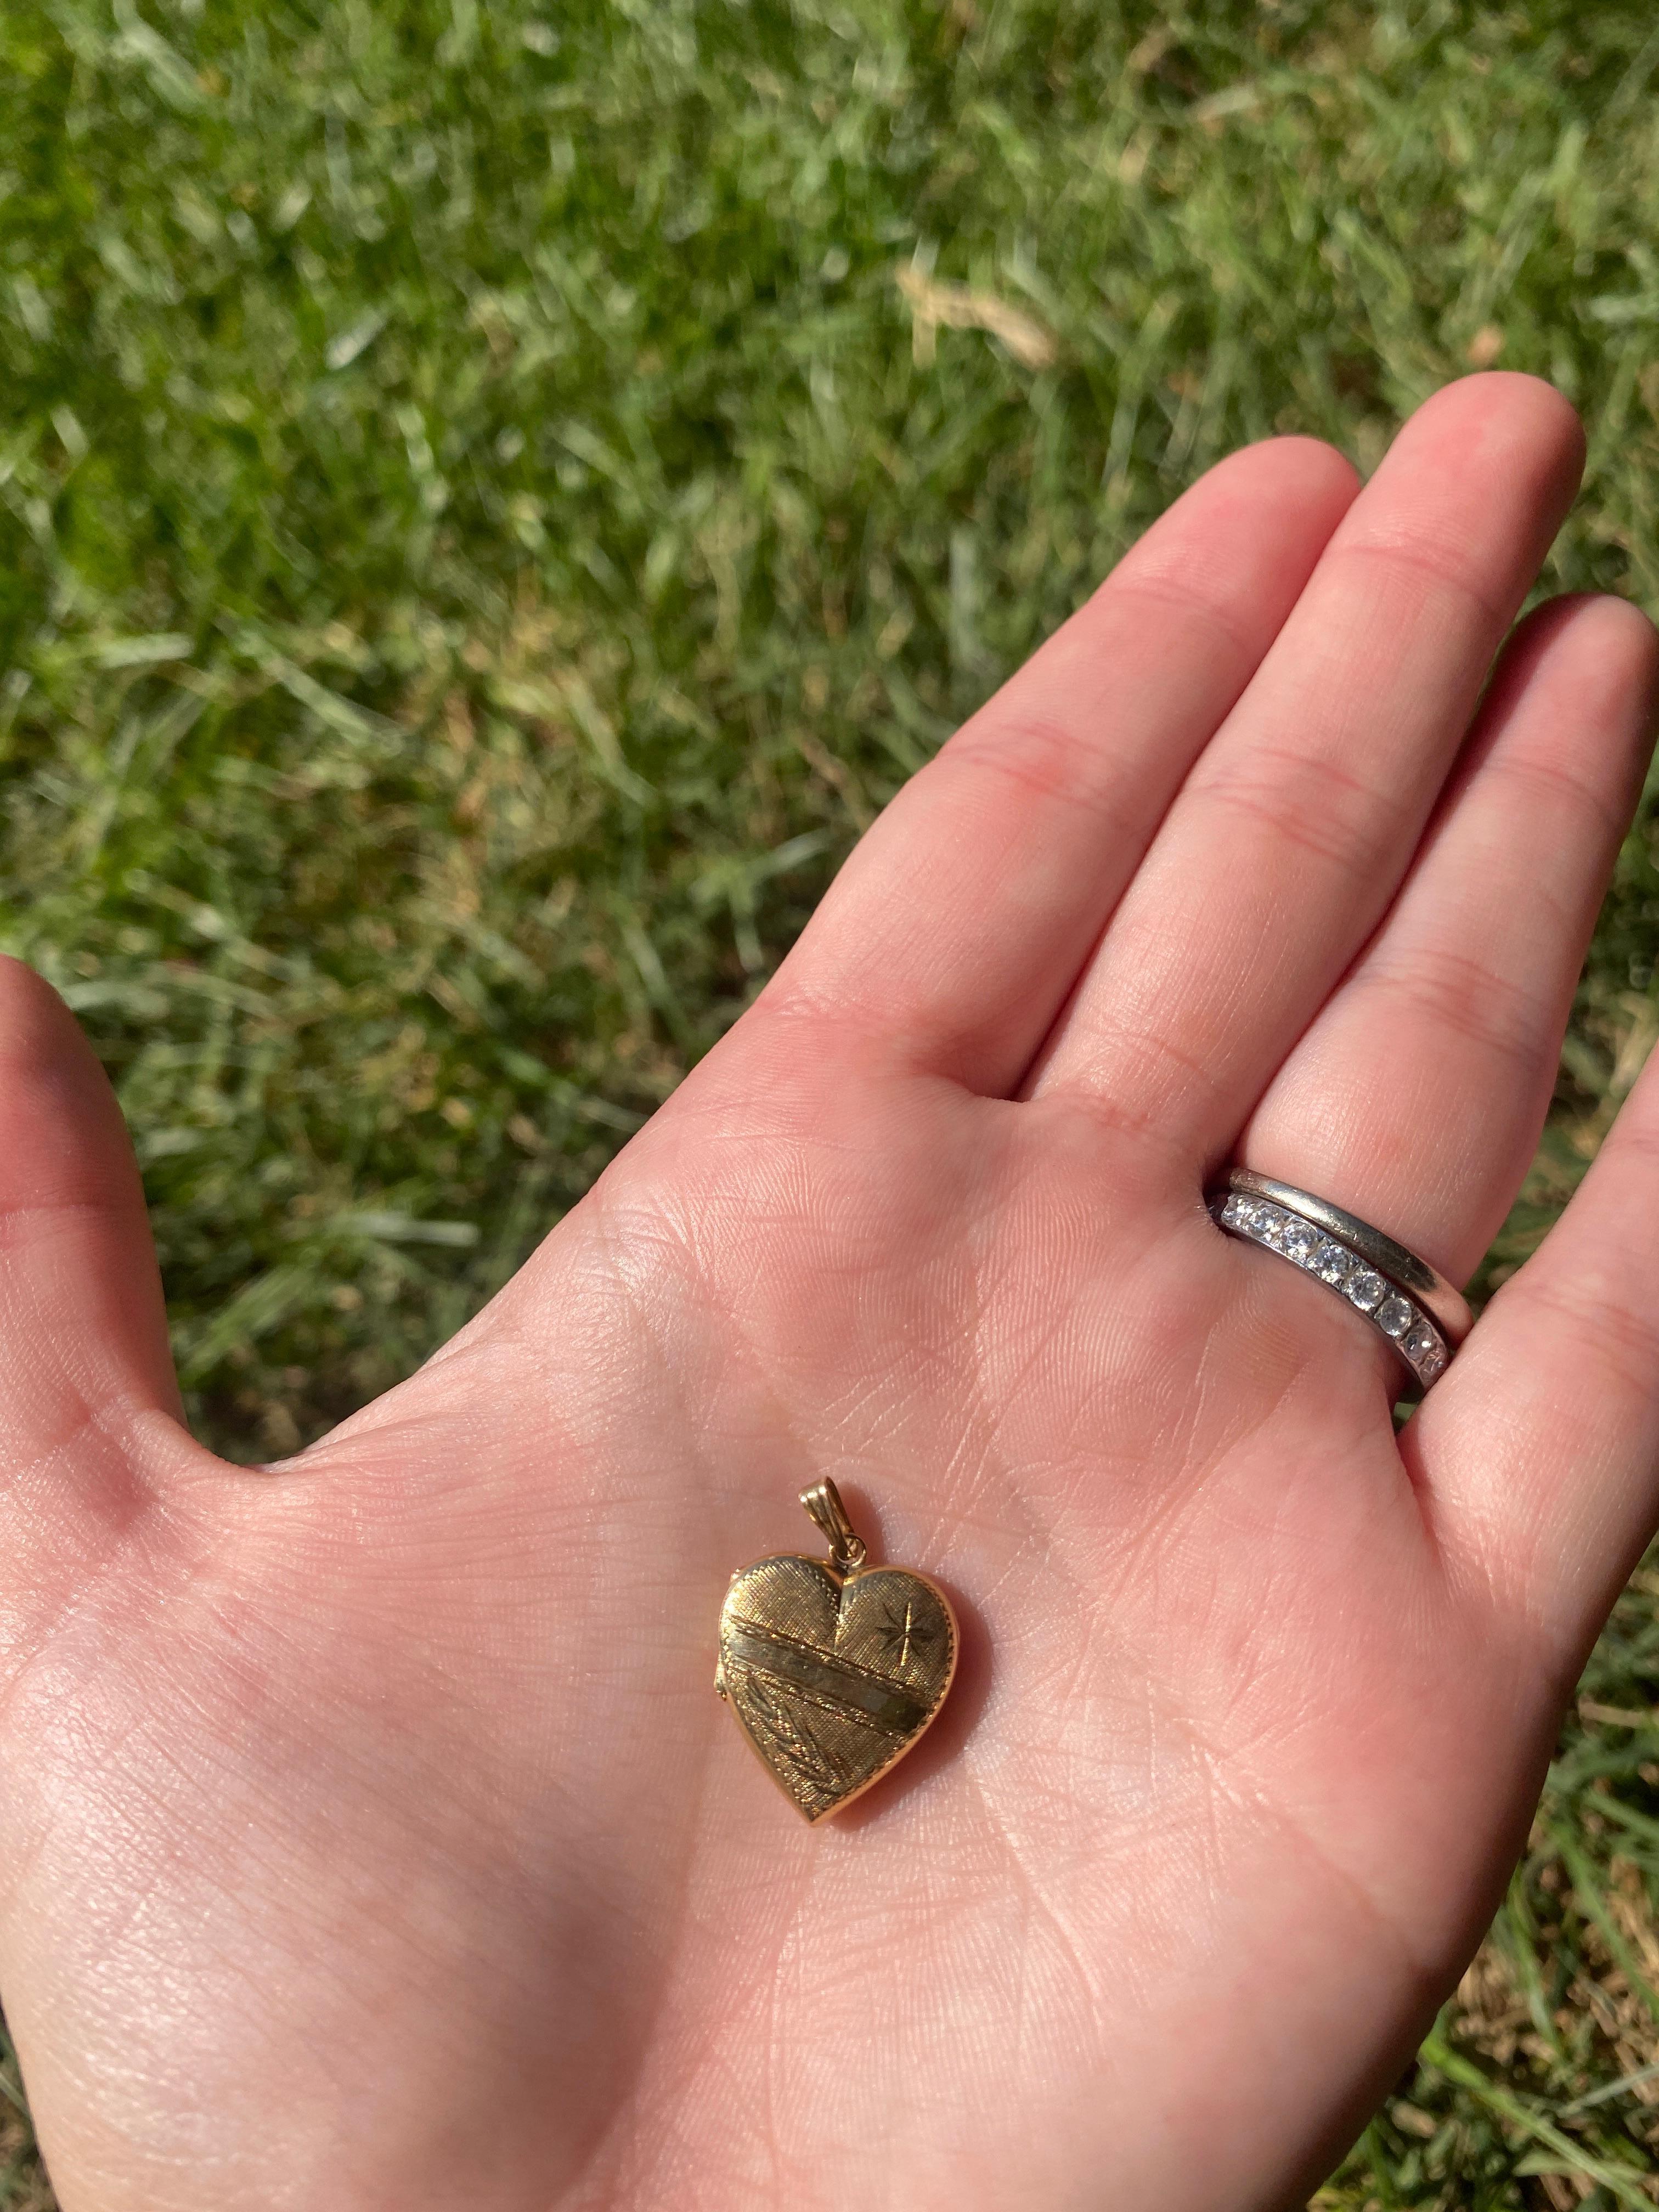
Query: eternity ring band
[[1419, 1312]]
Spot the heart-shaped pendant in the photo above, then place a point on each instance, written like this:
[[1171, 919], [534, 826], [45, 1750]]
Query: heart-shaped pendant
[[833, 1667]]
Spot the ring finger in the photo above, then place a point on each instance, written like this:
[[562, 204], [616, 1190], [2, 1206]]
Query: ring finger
[[1416, 1097]]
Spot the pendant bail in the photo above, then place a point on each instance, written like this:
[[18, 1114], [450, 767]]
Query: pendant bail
[[847, 1549]]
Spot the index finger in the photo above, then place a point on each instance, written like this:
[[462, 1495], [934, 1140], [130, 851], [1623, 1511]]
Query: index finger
[[956, 929]]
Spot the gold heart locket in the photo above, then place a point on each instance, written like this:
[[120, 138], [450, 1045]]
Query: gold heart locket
[[834, 1669]]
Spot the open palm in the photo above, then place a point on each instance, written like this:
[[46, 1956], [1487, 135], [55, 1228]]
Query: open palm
[[371, 1836]]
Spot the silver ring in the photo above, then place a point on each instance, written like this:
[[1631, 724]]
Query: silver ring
[[1403, 1268], [1414, 1307]]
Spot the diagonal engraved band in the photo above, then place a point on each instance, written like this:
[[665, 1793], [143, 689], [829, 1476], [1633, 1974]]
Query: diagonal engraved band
[[888, 1706], [1348, 1254]]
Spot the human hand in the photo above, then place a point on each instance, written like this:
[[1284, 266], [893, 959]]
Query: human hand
[[372, 1837]]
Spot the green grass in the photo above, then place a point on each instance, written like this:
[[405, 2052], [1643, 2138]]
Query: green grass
[[482, 526]]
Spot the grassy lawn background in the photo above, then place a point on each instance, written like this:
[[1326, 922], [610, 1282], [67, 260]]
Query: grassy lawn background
[[493, 497]]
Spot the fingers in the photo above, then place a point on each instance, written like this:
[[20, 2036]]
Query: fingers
[[1542, 1442], [1295, 828], [83, 1346], [1417, 1096], [956, 929]]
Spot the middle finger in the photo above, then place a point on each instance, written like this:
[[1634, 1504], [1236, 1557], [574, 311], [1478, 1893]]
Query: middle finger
[[1294, 829]]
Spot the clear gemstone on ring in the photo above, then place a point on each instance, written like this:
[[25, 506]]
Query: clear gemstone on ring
[[1300, 1242], [1395, 1315], [1420, 1340], [1269, 1222], [1367, 1289], [1334, 1261], [1433, 1362]]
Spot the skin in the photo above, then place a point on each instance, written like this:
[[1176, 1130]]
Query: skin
[[371, 1836]]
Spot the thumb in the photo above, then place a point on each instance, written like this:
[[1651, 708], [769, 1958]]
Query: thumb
[[88, 1393]]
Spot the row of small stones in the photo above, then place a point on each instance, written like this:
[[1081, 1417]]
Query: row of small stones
[[1345, 1271]]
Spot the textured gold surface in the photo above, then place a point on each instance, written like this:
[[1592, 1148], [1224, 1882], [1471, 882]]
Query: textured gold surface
[[833, 1675]]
